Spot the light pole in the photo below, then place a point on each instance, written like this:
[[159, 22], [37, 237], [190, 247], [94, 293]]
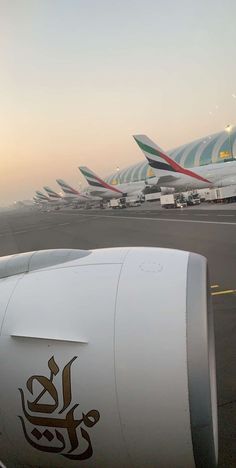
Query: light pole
[[228, 129], [118, 175]]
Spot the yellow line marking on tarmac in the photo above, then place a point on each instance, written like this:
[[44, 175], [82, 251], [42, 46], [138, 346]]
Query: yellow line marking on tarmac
[[214, 286], [227, 291]]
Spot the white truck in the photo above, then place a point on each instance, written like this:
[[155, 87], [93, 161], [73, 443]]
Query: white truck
[[151, 197], [222, 194], [173, 200], [193, 199], [117, 203], [132, 201]]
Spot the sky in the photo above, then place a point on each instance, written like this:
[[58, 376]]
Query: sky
[[80, 77]]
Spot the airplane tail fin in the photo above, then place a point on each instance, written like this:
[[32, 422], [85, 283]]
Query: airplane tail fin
[[156, 157], [41, 195], [51, 193], [96, 182], [161, 161], [67, 189]]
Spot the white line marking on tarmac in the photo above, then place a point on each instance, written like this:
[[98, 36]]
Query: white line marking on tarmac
[[37, 228], [42, 228], [63, 224], [19, 232], [31, 230], [168, 219]]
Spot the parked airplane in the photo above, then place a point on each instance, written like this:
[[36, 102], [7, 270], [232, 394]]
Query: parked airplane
[[99, 187], [41, 196], [42, 200], [170, 174], [55, 198], [37, 200], [74, 196], [52, 194]]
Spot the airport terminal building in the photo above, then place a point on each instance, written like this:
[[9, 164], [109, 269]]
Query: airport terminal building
[[215, 148]]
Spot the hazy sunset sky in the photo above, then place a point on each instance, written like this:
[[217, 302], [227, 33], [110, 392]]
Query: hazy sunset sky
[[79, 77]]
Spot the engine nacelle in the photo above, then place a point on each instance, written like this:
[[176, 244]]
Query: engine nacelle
[[107, 359]]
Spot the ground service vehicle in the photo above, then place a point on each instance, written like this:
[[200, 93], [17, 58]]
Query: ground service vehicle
[[151, 197], [223, 194], [167, 201], [193, 200], [173, 200], [114, 203], [124, 376], [133, 201], [118, 203]]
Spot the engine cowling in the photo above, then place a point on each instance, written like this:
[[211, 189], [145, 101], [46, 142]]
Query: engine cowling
[[107, 359]]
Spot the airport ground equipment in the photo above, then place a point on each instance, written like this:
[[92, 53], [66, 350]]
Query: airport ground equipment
[[151, 197], [173, 200], [118, 203], [193, 199], [133, 202], [223, 194], [107, 359], [114, 203]]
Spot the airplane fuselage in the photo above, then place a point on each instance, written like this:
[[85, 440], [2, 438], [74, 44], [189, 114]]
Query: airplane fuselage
[[120, 190], [215, 175]]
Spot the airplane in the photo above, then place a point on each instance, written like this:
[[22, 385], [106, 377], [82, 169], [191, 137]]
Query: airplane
[[99, 187], [37, 200], [73, 195], [42, 200], [171, 174], [54, 197], [41, 196], [52, 194]]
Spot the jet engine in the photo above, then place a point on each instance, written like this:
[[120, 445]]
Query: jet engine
[[107, 359]]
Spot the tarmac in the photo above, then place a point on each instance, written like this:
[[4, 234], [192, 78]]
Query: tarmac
[[210, 231]]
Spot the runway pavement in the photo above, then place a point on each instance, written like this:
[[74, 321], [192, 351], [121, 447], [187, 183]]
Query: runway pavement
[[209, 232]]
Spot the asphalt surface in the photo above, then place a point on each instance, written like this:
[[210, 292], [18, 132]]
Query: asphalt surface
[[209, 232]]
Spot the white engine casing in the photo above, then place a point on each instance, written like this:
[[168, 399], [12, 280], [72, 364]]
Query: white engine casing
[[138, 323]]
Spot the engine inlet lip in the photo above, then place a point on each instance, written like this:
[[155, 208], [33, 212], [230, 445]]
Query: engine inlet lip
[[201, 364]]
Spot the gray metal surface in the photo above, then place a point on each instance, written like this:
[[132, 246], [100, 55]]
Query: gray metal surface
[[30, 261], [201, 364]]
